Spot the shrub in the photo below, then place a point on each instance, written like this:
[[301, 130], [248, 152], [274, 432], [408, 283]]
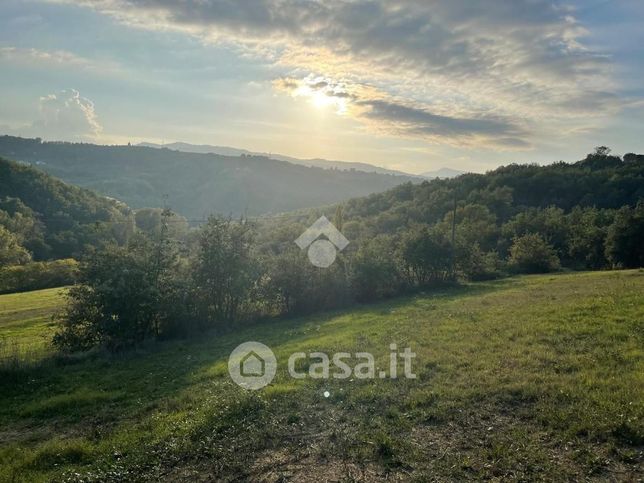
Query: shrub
[[11, 252], [38, 275], [120, 298], [475, 264], [287, 283], [531, 253], [426, 255], [374, 271]]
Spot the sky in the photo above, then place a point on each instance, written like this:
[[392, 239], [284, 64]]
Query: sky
[[414, 85]]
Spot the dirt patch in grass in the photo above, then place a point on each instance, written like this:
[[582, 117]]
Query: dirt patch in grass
[[279, 466], [502, 446]]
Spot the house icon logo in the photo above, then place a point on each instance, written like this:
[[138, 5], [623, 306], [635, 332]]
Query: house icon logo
[[252, 365], [322, 252]]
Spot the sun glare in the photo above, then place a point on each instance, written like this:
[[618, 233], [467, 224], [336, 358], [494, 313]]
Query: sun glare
[[319, 93], [321, 100]]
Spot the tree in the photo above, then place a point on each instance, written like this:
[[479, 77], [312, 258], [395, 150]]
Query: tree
[[475, 264], [426, 256], [11, 252], [531, 253], [632, 158], [550, 223], [288, 281], [224, 271], [475, 224], [498, 200], [374, 273], [115, 303], [55, 220], [602, 151], [587, 229], [20, 220], [151, 221], [120, 297], [624, 241], [80, 323], [601, 159], [38, 275]]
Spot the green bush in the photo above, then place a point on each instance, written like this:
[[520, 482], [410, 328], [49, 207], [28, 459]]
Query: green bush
[[122, 298], [531, 253], [474, 264], [375, 274], [426, 255], [38, 275], [624, 240], [11, 252]]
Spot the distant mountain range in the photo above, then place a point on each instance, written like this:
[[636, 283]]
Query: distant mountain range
[[197, 184], [443, 173], [314, 163]]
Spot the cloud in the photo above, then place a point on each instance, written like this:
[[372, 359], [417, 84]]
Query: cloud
[[38, 58], [395, 117], [66, 115], [418, 122], [30, 55], [487, 66]]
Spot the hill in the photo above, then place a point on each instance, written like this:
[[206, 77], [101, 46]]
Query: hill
[[600, 181], [52, 219], [597, 181], [583, 215], [314, 162], [531, 378], [442, 173], [193, 184]]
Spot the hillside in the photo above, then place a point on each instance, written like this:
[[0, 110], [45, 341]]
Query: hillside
[[442, 173], [596, 181], [583, 215], [314, 162], [531, 378], [193, 184], [52, 219]]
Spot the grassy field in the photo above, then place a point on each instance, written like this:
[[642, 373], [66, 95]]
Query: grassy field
[[26, 325], [538, 377]]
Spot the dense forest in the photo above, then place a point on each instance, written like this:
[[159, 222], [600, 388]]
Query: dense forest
[[43, 218], [517, 219], [194, 184]]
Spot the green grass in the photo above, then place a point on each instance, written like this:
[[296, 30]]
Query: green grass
[[538, 377], [26, 324]]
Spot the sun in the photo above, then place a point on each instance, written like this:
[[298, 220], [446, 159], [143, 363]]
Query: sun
[[321, 100]]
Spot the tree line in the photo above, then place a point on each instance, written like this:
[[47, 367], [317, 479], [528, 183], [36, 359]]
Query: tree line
[[168, 281]]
